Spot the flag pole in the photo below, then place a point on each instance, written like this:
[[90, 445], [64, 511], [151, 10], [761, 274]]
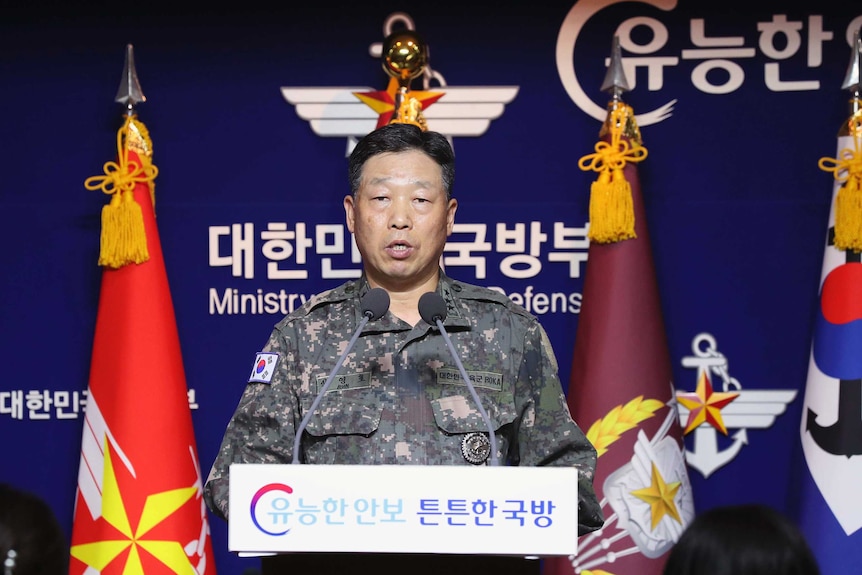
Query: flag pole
[[123, 239], [831, 421], [847, 166], [130, 93], [612, 212], [139, 503], [621, 383]]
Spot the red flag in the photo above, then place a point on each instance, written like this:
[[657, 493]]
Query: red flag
[[621, 391], [139, 505]]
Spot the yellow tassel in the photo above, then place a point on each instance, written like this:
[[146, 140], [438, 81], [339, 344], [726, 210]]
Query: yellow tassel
[[847, 168], [612, 216], [848, 215], [123, 239]]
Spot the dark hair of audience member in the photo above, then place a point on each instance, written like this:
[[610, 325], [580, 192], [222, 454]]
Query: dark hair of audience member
[[31, 539], [750, 539]]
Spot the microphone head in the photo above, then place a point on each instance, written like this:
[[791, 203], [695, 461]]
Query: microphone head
[[375, 303], [432, 307]]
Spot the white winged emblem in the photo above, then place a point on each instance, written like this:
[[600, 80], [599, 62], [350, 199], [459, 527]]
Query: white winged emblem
[[732, 408], [338, 112], [456, 111]]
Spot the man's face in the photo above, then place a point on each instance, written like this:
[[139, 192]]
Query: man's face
[[400, 218]]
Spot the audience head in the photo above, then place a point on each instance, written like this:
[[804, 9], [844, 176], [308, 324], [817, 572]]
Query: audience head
[[747, 539], [31, 540]]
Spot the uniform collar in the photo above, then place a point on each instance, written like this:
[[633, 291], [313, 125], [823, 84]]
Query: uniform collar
[[449, 290]]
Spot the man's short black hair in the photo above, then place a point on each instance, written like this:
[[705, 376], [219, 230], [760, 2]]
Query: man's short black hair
[[401, 138]]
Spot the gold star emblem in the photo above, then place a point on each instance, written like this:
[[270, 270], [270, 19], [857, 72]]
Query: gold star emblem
[[157, 508], [383, 101], [659, 495], [705, 405]]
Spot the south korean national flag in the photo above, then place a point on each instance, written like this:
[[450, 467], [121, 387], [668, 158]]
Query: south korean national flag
[[264, 367]]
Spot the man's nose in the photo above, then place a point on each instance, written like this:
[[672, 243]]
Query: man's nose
[[399, 217]]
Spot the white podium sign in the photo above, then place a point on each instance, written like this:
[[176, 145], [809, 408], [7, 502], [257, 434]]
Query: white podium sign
[[403, 509]]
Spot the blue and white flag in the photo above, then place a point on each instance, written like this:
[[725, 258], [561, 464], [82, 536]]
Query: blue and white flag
[[831, 427]]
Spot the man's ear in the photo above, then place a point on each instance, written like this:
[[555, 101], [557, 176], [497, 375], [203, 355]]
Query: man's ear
[[450, 215], [349, 215]]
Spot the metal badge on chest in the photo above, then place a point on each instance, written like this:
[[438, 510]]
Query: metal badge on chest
[[476, 448]]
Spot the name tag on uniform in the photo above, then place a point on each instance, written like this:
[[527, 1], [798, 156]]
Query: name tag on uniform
[[485, 379], [264, 367], [344, 382]]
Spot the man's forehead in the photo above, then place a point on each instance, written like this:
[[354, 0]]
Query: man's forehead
[[411, 168], [416, 158]]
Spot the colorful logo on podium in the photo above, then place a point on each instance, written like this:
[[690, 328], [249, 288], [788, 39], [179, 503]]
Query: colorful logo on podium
[[270, 497]]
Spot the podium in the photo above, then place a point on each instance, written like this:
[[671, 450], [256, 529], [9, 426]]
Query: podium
[[404, 509]]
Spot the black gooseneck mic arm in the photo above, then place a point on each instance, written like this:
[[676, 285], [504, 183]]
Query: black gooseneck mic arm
[[374, 304], [432, 308]]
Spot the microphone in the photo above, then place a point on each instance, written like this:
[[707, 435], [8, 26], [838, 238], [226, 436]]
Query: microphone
[[432, 308], [374, 304]]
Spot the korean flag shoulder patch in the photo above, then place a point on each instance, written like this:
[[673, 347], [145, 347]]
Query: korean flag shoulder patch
[[264, 367]]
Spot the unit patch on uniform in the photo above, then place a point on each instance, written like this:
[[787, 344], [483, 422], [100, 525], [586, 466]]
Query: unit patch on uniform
[[264, 367], [486, 379]]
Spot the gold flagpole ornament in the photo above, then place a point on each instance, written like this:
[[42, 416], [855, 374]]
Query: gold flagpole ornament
[[611, 208], [847, 167], [405, 56], [123, 238]]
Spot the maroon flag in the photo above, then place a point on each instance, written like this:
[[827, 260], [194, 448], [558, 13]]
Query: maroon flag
[[621, 389]]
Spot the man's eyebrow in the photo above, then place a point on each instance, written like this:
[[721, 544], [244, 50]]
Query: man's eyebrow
[[377, 181]]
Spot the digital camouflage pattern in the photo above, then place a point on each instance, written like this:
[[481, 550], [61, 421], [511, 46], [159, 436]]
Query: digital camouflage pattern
[[399, 399]]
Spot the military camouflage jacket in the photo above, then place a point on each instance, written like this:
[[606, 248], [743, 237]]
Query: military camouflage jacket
[[399, 397]]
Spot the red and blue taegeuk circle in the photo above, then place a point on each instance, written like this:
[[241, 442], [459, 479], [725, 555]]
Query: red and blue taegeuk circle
[[838, 330]]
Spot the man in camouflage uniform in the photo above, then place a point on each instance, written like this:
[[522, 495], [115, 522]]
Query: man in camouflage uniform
[[399, 397]]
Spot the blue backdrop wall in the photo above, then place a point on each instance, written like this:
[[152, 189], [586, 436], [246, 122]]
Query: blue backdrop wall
[[736, 204]]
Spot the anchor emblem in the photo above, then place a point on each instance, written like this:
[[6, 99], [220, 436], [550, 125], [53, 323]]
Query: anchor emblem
[[844, 437], [705, 412]]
